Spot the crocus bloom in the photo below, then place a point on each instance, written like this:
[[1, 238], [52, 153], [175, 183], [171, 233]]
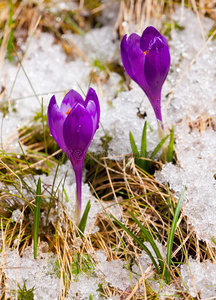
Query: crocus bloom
[[146, 60], [73, 126]]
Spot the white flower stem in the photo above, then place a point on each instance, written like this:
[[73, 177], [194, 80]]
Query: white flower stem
[[162, 134]]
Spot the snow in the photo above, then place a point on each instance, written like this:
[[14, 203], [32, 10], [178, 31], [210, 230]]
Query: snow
[[17, 216], [195, 95], [83, 287], [197, 174], [38, 273], [199, 278]]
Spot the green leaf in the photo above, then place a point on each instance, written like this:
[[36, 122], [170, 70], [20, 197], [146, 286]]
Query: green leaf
[[150, 240], [139, 243], [84, 218], [144, 141], [158, 147], [171, 236], [133, 145], [149, 125], [143, 153], [170, 150], [37, 216], [11, 36], [66, 196]]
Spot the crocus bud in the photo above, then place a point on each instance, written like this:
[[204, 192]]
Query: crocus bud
[[73, 126], [146, 60]]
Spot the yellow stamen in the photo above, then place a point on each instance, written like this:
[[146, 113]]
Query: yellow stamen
[[145, 52], [67, 113]]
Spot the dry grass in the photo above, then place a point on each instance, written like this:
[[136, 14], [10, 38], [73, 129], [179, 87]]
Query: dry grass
[[140, 12], [152, 204], [132, 189]]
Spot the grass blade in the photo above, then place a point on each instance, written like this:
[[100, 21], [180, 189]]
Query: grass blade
[[170, 150], [37, 216], [133, 145], [151, 241], [138, 242], [144, 141], [66, 196], [143, 153], [11, 36], [84, 218], [158, 147], [171, 235]]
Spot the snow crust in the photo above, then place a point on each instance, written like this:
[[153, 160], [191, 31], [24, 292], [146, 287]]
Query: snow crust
[[199, 278], [195, 95], [38, 273], [197, 174], [83, 287]]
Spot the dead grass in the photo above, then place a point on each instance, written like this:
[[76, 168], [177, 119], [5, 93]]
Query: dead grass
[[203, 123], [152, 204]]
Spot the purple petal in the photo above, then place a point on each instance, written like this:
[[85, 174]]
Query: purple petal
[[156, 104], [124, 57], [157, 65], [78, 133], [134, 39], [70, 100], [93, 107], [137, 61], [55, 121], [148, 35]]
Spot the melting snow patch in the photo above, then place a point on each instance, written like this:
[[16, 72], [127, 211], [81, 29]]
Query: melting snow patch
[[195, 94], [37, 273], [83, 287], [200, 278], [115, 272], [196, 173]]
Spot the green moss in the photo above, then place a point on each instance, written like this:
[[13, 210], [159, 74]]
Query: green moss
[[82, 264], [99, 65], [211, 31], [24, 293], [167, 27], [56, 269], [5, 108], [92, 4]]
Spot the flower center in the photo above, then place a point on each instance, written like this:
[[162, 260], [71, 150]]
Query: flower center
[[145, 52], [67, 113]]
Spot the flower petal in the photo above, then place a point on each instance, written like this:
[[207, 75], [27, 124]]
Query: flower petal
[[148, 35], [137, 61], [124, 57], [93, 107], [134, 39], [55, 121], [157, 65], [70, 100], [78, 133]]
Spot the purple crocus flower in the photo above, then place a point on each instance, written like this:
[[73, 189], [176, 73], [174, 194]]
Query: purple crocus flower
[[146, 60], [73, 126]]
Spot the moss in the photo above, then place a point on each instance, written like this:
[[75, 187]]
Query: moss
[[167, 27], [24, 294], [211, 31], [92, 4]]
